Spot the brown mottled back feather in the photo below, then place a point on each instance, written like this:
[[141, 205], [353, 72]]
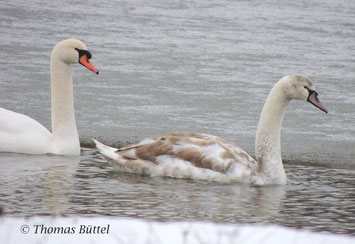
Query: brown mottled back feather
[[194, 151]]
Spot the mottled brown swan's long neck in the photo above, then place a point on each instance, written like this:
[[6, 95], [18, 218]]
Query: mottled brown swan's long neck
[[267, 144]]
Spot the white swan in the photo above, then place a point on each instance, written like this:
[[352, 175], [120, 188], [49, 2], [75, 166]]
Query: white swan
[[201, 156], [21, 134]]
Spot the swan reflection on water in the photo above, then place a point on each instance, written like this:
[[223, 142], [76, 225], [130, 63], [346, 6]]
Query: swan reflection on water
[[38, 183]]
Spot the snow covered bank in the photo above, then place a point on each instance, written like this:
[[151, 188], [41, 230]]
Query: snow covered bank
[[123, 230]]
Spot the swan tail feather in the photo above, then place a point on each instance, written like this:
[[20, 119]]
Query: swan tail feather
[[108, 152]]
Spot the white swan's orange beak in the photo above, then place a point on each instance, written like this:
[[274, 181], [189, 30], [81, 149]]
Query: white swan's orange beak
[[85, 61], [313, 98]]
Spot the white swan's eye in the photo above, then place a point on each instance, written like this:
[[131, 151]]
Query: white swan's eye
[[83, 52]]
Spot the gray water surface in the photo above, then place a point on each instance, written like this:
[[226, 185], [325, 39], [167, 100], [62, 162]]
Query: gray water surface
[[189, 66], [204, 66], [316, 198]]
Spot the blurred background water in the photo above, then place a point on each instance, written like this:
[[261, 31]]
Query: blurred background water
[[204, 66]]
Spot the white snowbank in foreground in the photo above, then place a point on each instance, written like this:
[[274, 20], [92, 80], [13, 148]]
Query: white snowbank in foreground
[[135, 231]]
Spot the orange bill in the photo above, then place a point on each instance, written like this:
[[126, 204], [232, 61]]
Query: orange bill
[[85, 61]]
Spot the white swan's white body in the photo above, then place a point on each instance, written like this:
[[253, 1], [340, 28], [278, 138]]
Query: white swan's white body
[[21, 134], [201, 156]]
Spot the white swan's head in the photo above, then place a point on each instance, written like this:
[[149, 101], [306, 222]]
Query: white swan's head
[[301, 88], [73, 51]]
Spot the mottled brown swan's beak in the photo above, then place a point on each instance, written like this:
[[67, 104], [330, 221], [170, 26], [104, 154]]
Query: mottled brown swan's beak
[[313, 98]]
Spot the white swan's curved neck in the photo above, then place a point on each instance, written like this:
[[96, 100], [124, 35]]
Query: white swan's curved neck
[[267, 145], [65, 135]]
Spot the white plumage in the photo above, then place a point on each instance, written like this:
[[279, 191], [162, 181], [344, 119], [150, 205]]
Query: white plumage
[[22, 134]]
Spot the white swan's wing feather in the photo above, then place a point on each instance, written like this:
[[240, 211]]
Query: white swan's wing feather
[[21, 134]]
